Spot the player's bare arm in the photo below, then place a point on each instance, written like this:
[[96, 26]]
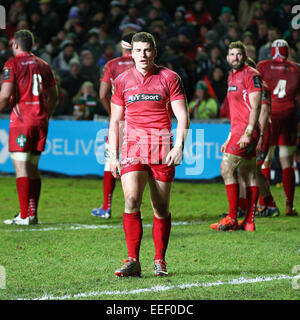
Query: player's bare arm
[[117, 114], [255, 102], [5, 93], [263, 120], [52, 99], [180, 110], [104, 91]]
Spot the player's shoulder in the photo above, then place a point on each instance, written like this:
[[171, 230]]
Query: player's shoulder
[[122, 77], [10, 62], [251, 71], [112, 62], [261, 65], [166, 73], [293, 64], [40, 61]]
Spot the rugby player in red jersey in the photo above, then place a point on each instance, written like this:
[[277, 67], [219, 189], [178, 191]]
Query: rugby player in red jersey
[[112, 69], [239, 151], [267, 205], [29, 82], [145, 97], [283, 78]]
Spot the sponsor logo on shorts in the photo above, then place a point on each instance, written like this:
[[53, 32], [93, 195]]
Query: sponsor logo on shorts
[[21, 140], [144, 97]]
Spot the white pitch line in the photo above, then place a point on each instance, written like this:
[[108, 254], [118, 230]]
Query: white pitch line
[[197, 284], [78, 226]]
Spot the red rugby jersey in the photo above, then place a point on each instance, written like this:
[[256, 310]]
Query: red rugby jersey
[[240, 84], [30, 76], [115, 67], [147, 103], [283, 78]]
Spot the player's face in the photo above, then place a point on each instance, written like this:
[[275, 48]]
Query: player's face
[[143, 55], [235, 58]]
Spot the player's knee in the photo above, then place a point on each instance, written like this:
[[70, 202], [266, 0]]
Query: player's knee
[[226, 170], [161, 210], [132, 201]]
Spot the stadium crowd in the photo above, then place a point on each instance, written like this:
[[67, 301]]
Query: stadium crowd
[[78, 37]]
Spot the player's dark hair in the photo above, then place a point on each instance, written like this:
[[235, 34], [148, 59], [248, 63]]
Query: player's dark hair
[[238, 45], [128, 36], [144, 37], [25, 39]]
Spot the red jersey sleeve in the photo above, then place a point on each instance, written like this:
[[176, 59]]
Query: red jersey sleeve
[[176, 88], [8, 74], [117, 94], [253, 81], [106, 77]]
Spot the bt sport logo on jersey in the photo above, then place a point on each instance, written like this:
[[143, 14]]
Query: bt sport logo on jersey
[[144, 97]]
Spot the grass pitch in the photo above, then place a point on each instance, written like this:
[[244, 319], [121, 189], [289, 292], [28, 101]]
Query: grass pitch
[[73, 255]]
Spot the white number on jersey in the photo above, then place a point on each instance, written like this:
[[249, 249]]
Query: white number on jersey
[[280, 89], [36, 84]]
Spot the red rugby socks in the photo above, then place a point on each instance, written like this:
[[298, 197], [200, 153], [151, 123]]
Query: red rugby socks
[[288, 182], [109, 183], [267, 173], [243, 204], [252, 196], [161, 234], [133, 228], [233, 199], [35, 190], [23, 189]]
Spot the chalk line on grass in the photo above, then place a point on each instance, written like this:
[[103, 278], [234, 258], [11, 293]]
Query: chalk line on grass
[[239, 281], [78, 226]]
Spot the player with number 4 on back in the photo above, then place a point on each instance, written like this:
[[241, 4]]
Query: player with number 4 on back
[[283, 78], [29, 85]]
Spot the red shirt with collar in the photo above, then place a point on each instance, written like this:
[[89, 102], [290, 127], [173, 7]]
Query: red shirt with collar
[[240, 84], [147, 103]]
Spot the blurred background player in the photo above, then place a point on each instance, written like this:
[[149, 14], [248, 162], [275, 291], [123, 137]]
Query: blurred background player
[[283, 78], [267, 205], [29, 82], [112, 69], [239, 151], [141, 96]]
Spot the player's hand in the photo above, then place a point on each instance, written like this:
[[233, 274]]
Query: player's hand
[[244, 141], [223, 147], [259, 144], [115, 168], [174, 157]]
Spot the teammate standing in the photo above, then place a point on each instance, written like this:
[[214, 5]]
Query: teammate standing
[[267, 205], [239, 151], [29, 83], [283, 78], [146, 96], [112, 69]]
